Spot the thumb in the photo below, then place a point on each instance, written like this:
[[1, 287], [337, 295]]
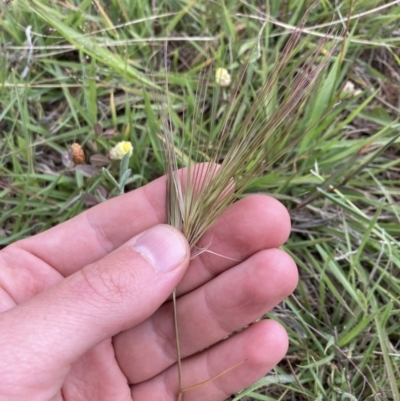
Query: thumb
[[119, 291]]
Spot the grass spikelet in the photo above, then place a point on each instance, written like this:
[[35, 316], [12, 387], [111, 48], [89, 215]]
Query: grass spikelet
[[219, 169]]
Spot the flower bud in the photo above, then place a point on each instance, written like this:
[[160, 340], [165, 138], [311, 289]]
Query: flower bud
[[120, 150], [78, 155], [222, 77]]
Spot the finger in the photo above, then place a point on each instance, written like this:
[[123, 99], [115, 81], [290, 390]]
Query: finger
[[258, 349], [96, 232], [207, 315], [254, 223], [53, 329]]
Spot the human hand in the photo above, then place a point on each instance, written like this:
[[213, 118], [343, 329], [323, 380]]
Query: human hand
[[83, 313]]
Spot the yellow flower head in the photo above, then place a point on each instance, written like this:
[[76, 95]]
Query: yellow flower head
[[222, 77], [120, 150]]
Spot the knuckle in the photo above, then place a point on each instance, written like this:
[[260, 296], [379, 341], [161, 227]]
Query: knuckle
[[108, 280]]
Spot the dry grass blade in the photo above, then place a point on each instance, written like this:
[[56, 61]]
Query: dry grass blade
[[218, 175]]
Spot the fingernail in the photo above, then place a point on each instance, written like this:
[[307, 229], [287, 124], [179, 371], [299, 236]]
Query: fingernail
[[163, 246]]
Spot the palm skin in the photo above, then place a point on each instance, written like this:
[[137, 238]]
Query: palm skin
[[83, 317]]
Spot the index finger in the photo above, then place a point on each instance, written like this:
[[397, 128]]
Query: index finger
[[96, 232]]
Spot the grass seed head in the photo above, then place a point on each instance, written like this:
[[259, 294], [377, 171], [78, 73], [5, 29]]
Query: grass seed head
[[243, 150]]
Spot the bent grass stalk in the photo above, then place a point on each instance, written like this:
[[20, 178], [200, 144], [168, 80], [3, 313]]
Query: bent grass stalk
[[219, 170]]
